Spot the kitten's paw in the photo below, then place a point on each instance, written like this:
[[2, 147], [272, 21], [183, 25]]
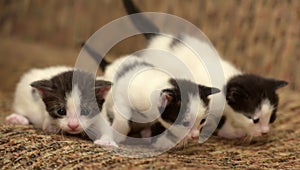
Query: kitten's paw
[[146, 133], [163, 143], [16, 119], [105, 142], [194, 134]]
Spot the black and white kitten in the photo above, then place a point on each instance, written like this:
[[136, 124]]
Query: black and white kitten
[[62, 99], [251, 100], [143, 96]]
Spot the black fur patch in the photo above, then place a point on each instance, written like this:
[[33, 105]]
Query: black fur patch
[[55, 91], [244, 93], [175, 42], [157, 129], [221, 122], [96, 56], [182, 90], [111, 117], [273, 116], [131, 66], [142, 23]]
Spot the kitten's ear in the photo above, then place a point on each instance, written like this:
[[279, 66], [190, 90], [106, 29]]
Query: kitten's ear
[[102, 87], [166, 97], [277, 84], [42, 86], [206, 91], [235, 94]]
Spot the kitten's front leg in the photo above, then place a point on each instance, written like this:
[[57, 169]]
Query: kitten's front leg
[[105, 138], [164, 142], [229, 132], [16, 119], [194, 134], [171, 137]]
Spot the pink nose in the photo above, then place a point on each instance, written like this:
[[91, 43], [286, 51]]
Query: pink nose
[[265, 129], [73, 126]]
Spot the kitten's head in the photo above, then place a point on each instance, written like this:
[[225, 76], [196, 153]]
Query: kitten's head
[[254, 101], [72, 99], [186, 103]]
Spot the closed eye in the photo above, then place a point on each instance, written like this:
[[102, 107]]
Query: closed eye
[[202, 121], [186, 124], [255, 120], [85, 112]]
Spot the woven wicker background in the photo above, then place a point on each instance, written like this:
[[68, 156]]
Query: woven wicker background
[[261, 37]]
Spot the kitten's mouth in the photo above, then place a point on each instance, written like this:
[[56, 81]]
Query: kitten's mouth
[[259, 134], [250, 137], [74, 131]]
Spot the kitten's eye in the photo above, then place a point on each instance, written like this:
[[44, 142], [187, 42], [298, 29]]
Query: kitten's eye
[[202, 121], [273, 117], [186, 124], [85, 112], [255, 120], [62, 112]]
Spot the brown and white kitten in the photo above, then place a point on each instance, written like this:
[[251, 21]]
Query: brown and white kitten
[[62, 99]]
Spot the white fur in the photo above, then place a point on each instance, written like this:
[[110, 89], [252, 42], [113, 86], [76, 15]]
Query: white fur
[[140, 90], [73, 113], [30, 108], [131, 91], [238, 126], [197, 65], [186, 53], [199, 116]]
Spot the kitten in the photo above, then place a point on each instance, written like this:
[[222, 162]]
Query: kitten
[[143, 96], [62, 99], [251, 100], [252, 106]]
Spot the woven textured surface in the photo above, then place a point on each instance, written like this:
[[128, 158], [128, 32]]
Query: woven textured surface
[[26, 147], [261, 37]]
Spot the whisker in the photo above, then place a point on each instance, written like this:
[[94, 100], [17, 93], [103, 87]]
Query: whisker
[[62, 133], [247, 140], [83, 134], [92, 133], [182, 144], [251, 137]]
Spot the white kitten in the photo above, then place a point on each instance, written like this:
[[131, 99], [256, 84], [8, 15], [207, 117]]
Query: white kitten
[[144, 95], [62, 99], [251, 100]]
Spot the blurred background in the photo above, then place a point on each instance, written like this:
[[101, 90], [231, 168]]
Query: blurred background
[[261, 37], [258, 36]]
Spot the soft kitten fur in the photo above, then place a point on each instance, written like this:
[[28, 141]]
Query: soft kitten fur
[[251, 100], [143, 96], [62, 99]]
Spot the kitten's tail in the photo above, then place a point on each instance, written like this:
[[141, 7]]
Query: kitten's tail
[[142, 23], [96, 56]]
